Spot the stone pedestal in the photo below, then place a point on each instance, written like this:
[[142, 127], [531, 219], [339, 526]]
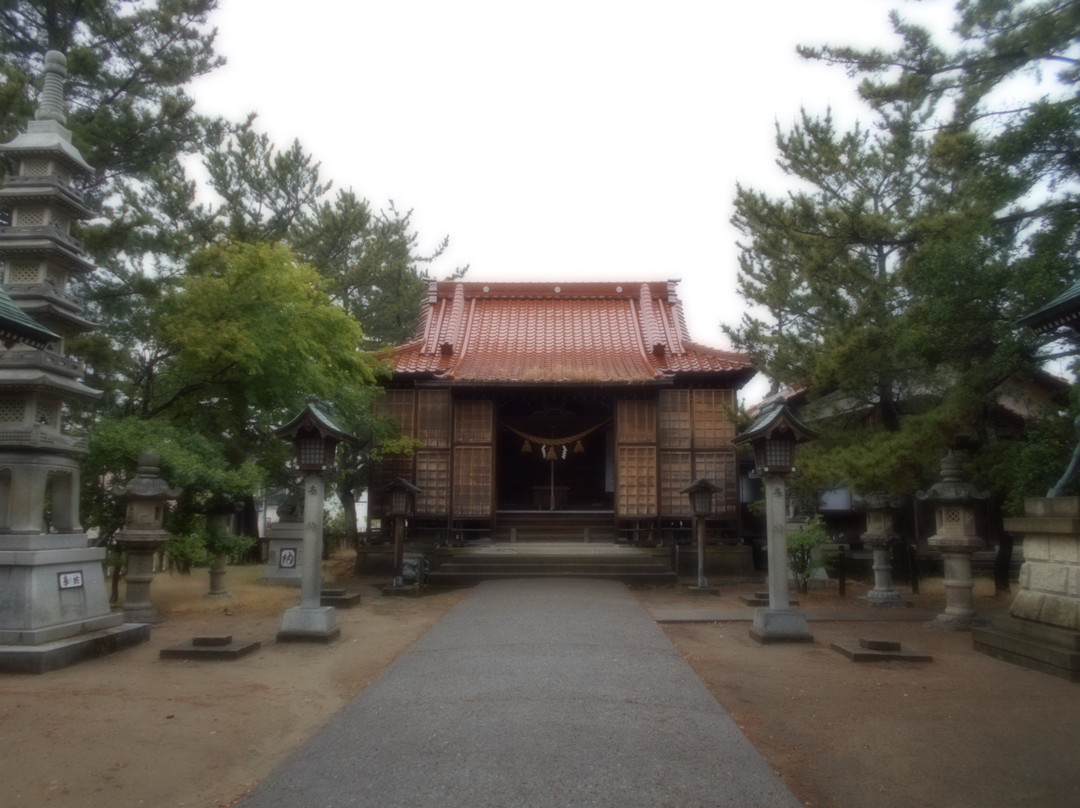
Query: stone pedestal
[[285, 541], [141, 548], [780, 625], [219, 568], [1042, 630], [309, 624]]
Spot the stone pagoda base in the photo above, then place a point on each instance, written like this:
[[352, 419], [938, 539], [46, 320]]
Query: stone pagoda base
[[1042, 630], [62, 653], [54, 610]]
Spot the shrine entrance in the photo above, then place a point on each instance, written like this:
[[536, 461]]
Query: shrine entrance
[[555, 453]]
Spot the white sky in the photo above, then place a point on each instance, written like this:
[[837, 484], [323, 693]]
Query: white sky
[[597, 139]]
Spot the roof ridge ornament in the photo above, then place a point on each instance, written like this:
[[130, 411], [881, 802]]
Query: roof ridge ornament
[[653, 342], [457, 314]]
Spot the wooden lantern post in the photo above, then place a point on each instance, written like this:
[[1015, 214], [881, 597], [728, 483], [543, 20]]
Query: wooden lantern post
[[701, 499], [401, 496]]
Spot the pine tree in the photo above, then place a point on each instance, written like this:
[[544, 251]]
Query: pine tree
[[890, 279]]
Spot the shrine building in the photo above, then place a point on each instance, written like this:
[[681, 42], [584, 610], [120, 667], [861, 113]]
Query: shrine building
[[560, 411]]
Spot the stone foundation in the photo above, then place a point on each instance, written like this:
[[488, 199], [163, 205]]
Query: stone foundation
[[1043, 627]]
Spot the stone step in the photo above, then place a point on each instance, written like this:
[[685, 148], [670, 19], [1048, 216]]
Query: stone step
[[552, 559], [646, 577], [553, 566]]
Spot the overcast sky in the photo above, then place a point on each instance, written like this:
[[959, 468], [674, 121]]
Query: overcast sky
[[557, 141]]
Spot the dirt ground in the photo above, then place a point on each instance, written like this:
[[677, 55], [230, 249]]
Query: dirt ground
[[133, 730]]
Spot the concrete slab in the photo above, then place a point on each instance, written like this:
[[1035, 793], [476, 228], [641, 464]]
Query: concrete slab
[[871, 650], [216, 647], [852, 614], [535, 693]]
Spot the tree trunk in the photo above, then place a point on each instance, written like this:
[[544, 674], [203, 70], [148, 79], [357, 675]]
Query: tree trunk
[[114, 593], [348, 503]]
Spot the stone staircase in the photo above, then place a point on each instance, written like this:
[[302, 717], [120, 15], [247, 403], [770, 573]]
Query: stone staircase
[[463, 566], [555, 526]]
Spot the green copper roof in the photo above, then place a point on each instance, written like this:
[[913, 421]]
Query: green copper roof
[[1061, 311], [16, 325]]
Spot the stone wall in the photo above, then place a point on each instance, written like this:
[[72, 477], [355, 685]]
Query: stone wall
[[1050, 577]]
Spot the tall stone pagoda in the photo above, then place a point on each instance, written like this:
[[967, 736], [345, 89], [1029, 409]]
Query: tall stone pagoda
[[54, 608]]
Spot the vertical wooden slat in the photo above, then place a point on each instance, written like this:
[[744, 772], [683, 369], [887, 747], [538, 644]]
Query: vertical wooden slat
[[472, 481], [675, 419], [637, 494], [473, 421], [636, 421], [720, 469], [676, 473], [713, 427], [387, 469], [433, 418], [637, 491], [401, 406], [433, 480]]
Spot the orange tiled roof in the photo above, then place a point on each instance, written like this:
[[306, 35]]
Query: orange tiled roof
[[551, 333]]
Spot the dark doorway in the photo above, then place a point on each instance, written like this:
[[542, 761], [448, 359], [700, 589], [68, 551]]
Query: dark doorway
[[554, 453]]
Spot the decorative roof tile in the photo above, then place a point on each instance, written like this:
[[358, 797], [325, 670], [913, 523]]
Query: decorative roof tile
[[547, 333]]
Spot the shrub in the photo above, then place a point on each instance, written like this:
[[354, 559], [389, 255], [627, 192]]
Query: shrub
[[801, 549]]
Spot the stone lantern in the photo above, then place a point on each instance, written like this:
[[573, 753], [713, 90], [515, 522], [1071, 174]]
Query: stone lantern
[[773, 437], [701, 505], [143, 535], [957, 538], [880, 535], [400, 505], [315, 438]]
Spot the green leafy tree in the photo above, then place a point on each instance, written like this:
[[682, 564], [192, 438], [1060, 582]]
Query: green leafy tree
[[371, 262], [158, 245], [247, 337], [238, 346]]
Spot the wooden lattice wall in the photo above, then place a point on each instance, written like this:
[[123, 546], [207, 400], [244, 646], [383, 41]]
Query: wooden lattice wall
[[400, 405], [635, 459], [663, 443], [696, 431], [474, 437], [452, 467]]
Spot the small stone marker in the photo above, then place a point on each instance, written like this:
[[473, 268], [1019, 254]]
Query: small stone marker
[[211, 646], [869, 650]]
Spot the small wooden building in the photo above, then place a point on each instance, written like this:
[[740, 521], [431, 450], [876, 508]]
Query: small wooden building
[[572, 410]]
